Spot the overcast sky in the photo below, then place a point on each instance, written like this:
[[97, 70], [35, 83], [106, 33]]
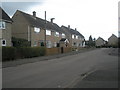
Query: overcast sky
[[90, 17]]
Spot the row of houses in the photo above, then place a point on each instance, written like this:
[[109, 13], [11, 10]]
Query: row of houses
[[112, 41], [37, 31]]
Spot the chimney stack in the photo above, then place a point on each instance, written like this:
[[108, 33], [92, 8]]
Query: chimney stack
[[75, 29], [69, 27], [34, 13], [52, 20]]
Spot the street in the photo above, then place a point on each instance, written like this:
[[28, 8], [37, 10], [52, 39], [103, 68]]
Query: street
[[61, 72]]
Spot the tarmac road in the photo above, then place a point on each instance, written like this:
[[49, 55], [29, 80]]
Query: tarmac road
[[61, 72], [105, 76]]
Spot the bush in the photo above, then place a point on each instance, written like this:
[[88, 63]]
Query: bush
[[8, 53], [19, 42], [29, 52], [11, 53]]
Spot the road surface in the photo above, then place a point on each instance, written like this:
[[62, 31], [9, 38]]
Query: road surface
[[57, 73]]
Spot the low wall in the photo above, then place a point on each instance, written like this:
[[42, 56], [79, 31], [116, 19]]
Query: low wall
[[67, 49], [52, 51]]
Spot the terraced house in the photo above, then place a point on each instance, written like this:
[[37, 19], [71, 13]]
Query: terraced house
[[32, 28], [5, 28], [75, 38]]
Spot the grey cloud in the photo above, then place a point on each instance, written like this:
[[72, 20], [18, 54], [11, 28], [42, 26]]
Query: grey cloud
[[11, 7]]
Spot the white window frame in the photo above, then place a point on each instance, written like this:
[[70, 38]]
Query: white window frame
[[48, 32], [2, 25], [49, 44], [73, 36], [77, 37], [2, 42], [36, 30], [35, 43], [63, 35], [55, 44], [57, 34]]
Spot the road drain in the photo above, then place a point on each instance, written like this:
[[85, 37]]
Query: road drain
[[84, 74]]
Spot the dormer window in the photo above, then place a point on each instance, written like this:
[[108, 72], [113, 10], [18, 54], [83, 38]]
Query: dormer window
[[36, 30], [2, 25]]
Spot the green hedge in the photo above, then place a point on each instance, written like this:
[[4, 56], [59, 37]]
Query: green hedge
[[12, 53], [29, 52], [8, 53], [19, 42]]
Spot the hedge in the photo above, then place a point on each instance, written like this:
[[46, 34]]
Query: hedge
[[29, 52], [8, 53], [12, 53], [19, 42]]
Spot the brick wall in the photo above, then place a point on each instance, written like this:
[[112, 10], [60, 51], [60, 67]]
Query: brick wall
[[52, 51], [67, 49]]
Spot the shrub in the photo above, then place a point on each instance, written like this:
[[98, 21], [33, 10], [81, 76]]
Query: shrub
[[42, 51], [19, 42], [29, 52], [8, 53], [11, 53], [98, 46]]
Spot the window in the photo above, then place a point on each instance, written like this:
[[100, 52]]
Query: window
[[35, 43], [76, 37], [72, 36], [74, 44], [37, 30], [55, 44], [48, 32], [63, 35], [3, 42], [2, 25], [48, 44], [57, 34]]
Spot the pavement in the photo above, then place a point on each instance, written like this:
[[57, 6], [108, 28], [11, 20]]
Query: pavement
[[17, 62], [105, 76]]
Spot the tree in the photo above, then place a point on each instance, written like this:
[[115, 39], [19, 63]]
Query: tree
[[91, 42], [94, 41]]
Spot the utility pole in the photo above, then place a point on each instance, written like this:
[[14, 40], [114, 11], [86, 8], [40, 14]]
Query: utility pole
[[45, 30]]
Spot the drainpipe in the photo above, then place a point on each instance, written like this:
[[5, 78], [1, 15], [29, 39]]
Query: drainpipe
[[45, 29], [29, 34]]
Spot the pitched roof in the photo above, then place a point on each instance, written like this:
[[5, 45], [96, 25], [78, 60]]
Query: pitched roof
[[113, 35], [64, 40], [100, 38], [38, 22], [72, 31], [4, 16]]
